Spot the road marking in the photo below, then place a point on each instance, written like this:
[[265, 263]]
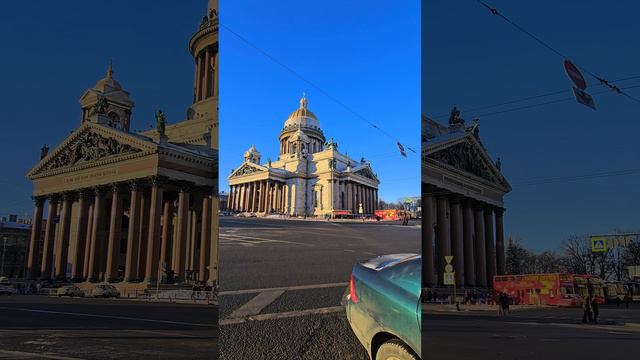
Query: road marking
[[581, 326], [107, 316], [253, 240], [21, 354], [282, 315], [255, 305], [286, 288]]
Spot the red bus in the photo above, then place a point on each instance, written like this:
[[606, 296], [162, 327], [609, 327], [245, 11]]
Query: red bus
[[548, 289]]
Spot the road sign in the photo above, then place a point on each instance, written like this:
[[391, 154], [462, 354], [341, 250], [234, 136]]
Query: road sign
[[448, 258], [584, 98], [448, 268], [449, 278], [598, 244], [574, 74]]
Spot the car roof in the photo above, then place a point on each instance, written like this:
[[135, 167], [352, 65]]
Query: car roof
[[385, 261]]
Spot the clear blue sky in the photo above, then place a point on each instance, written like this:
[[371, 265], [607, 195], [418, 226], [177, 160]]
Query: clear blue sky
[[53, 51], [474, 58], [367, 54]]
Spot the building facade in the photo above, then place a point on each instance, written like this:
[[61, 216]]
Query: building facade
[[14, 240], [132, 208], [463, 206], [310, 178]]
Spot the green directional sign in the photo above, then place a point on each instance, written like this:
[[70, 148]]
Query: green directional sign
[[598, 244]]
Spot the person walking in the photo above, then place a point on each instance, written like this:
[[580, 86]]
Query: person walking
[[500, 304], [586, 309], [594, 309]]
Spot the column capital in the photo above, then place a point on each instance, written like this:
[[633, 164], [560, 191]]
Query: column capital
[[38, 200], [158, 181], [98, 190], [499, 211]]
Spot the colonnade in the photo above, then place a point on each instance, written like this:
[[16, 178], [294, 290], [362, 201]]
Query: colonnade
[[469, 230], [354, 194], [124, 232], [263, 196], [206, 61]]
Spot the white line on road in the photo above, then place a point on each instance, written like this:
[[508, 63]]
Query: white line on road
[[287, 288], [22, 354], [106, 316], [255, 305], [283, 315]]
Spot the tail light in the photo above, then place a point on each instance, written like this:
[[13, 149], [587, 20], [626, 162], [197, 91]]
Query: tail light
[[352, 290]]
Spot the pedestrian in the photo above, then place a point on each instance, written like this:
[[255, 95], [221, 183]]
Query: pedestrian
[[594, 309], [507, 302], [500, 304], [586, 309]]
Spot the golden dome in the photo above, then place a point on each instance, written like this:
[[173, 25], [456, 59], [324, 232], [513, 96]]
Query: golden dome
[[108, 83], [302, 117]]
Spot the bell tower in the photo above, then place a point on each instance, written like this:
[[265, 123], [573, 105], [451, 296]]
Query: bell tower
[[204, 49], [107, 103]]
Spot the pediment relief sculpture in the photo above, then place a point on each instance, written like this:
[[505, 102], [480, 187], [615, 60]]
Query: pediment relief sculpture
[[89, 147], [466, 157], [246, 170]]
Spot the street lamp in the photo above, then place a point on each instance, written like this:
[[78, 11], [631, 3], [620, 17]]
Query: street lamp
[[4, 250]]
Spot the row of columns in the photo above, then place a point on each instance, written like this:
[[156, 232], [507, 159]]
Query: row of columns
[[356, 194], [471, 231], [294, 147], [99, 232], [205, 73], [263, 196]]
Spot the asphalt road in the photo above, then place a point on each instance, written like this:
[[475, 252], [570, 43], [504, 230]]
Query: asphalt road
[[531, 334], [282, 283], [39, 327]]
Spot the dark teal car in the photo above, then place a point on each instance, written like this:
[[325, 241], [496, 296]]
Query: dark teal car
[[383, 306]]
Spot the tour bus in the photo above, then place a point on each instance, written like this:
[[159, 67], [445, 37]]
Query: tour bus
[[548, 289], [634, 289]]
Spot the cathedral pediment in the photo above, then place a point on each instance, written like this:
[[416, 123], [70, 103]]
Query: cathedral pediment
[[367, 172], [247, 168], [464, 154], [91, 145]]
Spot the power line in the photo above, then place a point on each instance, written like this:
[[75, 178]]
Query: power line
[[602, 80], [523, 99], [570, 178], [525, 107], [311, 83]]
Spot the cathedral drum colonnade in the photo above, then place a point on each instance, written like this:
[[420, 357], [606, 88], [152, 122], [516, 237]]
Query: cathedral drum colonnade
[[132, 207], [310, 178], [463, 215]]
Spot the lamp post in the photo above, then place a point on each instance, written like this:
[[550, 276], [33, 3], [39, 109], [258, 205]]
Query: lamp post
[[4, 250]]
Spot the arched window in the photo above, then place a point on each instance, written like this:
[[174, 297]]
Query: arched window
[[114, 120]]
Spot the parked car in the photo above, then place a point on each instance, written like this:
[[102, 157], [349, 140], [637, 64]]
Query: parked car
[[4, 280], [105, 291], [69, 290], [7, 290], [383, 306]]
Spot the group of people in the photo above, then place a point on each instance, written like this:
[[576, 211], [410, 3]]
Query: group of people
[[197, 290]]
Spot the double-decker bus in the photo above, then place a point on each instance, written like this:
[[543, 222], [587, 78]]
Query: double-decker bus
[[548, 289]]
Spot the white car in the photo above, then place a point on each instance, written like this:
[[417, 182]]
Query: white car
[[7, 290], [69, 290], [105, 291]]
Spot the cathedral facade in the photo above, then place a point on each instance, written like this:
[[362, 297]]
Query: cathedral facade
[[463, 207], [311, 177], [132, 208]]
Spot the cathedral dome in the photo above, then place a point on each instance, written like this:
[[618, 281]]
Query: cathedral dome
[[108, 83], [302, 117]]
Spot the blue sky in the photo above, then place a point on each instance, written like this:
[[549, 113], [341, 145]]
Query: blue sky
[[474, 59], [367, 54], [53, 51]]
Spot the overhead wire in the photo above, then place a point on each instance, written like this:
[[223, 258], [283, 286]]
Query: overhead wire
[[601, 79], [313, 85]]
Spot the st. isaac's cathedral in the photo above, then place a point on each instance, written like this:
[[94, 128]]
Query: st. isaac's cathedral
[[131, 208], [311, 177]]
